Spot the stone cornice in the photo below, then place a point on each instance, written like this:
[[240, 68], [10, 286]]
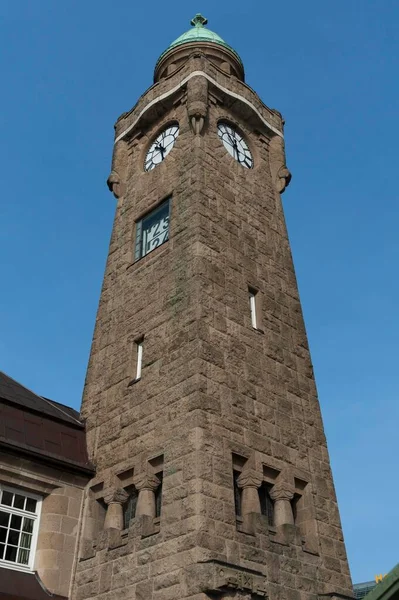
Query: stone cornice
[[180, 85]]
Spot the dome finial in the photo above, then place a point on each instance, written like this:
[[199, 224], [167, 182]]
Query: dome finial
[[199, 20], [204, 37]]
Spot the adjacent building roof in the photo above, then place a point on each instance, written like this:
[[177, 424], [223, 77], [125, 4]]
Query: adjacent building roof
[[361, 590], [34, 426], [388, 588], [18, 394]]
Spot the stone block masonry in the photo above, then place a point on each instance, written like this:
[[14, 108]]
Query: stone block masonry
[[217, 397]]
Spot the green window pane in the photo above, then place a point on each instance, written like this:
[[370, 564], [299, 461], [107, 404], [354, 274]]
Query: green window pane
[[137, 252], [30, 505], [7, 498], [26, 540], [19, 501], [28, 525], [23, 556], [4, 518], [16, 522]]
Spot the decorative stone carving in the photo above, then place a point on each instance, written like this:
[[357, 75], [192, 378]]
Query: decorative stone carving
[[249, 478], [249, 481], [116, 180], [197, 103], [146, 484], [115, 185], [282, 493], [282, 490], [146, 481], [283, 179], [117, 496], [115, 500], [225, 580], [281, 176]]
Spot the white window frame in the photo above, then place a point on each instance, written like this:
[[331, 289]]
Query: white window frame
[[139, 358], [252, 305], [23, 513]]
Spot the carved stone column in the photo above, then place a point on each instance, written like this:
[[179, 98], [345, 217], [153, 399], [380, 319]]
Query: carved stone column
[[146, 485], [115, 501], [197, 103], [249, 481], [282, 494]]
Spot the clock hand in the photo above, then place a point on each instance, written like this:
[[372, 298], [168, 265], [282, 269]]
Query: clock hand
[[231, 138], [243, 154], [161, 149], [233, 142], [238, 156], [235, 147]]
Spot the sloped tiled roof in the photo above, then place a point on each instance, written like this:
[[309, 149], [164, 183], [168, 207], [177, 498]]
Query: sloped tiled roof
[[14, 392], [43, 430]]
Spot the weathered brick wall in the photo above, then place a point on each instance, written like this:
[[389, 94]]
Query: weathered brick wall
[[211, 385]]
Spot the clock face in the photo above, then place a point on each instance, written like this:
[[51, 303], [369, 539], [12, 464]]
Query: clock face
[[161, 147], [235, 145]]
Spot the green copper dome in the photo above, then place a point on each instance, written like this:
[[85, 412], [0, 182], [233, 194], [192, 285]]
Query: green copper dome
[[199, 33]]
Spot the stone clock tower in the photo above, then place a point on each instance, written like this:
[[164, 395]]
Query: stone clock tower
[[212, 472]]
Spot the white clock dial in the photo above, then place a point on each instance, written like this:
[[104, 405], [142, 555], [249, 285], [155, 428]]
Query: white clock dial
[[161, 147], [235, 145]]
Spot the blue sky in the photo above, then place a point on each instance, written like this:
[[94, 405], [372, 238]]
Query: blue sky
[[69, 69]]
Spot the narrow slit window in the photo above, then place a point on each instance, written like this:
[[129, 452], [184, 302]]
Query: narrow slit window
[[266, 503], [237, 493], [129, 508], [139, 359], [158, 495], [252, 306]]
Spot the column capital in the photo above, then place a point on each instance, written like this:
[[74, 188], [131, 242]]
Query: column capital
[[146, 481], [249, 478], [282, 491], [116, 496]]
